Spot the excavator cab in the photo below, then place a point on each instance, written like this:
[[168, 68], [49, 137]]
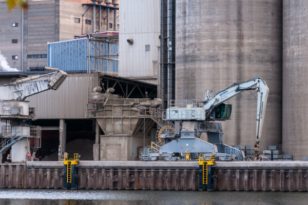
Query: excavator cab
[[222, 112]]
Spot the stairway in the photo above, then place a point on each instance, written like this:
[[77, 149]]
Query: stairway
[[158, 117], [8, 142]]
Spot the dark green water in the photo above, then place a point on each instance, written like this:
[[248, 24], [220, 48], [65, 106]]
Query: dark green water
[[93, 197]]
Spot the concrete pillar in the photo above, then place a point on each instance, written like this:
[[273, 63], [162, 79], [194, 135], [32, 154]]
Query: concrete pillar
[[62, 138], [97, 143]]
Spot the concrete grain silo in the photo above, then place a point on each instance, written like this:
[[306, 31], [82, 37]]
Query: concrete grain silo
[[295, 78], [222, 42]]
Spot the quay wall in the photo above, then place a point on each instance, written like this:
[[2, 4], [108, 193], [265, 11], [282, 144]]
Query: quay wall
[[138, 175]]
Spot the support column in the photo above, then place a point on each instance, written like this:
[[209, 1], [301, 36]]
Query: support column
[[97, 143], [93, 17], [100, 19], [62, 138], [115, 20], [107, 25]]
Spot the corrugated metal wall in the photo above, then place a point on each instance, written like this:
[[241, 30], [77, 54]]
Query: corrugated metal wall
[[140, 21], [68, 102], [103, 49], [72, 55]]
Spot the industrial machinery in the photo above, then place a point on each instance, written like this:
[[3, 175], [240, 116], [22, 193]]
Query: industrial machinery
[[70, 176], [16, 131], [192, 118]]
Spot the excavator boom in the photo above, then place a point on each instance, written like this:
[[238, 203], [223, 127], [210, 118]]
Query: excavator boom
[[255, 84]]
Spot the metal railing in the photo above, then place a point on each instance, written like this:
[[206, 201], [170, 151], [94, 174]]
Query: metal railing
[[6, 130], [155, 146], [35, 131], [156, 115], [184, 103], [5, 142]]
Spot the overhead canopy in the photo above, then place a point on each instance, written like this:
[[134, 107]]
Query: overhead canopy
[[128, 88]]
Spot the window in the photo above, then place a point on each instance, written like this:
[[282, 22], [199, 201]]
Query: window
[[147, 47], [88, 21], [97, 23], [14, 41], [37, 56], [77, 20], [118, 26], [110, 25], [14, 24], [14, 57]]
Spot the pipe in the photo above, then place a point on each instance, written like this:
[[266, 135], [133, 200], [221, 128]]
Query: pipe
[[89, 55], [96, 132], [171, 48], [100, 19], [93, 19], [115, 20], [22, 40], [107, 19]]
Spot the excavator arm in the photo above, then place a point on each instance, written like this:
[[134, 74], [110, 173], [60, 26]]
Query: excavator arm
[[255, 84], [25, 87]]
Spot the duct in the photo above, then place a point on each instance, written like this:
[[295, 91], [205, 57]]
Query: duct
[[100, 19], [114, 19], [167, 73], [107, 24], [171, 48], [93, 18]]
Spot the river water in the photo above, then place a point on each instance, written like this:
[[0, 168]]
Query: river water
[[94, 197]]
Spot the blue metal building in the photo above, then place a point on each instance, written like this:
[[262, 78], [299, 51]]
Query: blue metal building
[[73, 55]]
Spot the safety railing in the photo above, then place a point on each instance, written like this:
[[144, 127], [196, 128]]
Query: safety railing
[[5, 142], [155, 146], [184, 103], [6, 130]]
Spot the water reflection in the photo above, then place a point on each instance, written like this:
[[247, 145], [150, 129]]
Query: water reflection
[[94, 197]]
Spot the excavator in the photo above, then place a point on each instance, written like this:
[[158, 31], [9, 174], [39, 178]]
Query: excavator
[[16, 115], [180, 139]]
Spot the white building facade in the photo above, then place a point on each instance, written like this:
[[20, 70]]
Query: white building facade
[[139, 38]]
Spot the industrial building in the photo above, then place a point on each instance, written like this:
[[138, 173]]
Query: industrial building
[[25, 35], [139, 40], [112, 105], [209, 45]]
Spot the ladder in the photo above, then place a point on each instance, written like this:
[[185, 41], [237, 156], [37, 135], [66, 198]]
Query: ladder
[[21, 177], [69, 172], [205, 173]]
